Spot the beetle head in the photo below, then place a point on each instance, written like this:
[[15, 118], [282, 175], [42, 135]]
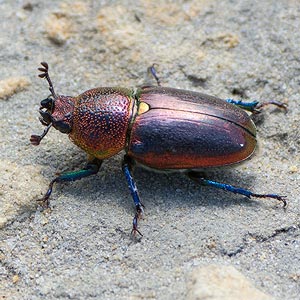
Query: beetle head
[[56, 110]]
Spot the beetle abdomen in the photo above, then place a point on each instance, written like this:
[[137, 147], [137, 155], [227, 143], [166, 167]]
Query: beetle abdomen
[[176, 134]]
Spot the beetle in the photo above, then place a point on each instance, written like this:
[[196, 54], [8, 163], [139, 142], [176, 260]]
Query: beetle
[[161, 128]]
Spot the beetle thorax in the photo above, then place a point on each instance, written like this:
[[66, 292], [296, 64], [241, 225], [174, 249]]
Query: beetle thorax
[[101, 120]]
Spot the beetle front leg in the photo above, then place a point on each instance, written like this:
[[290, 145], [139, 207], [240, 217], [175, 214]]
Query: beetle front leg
[[127, 166], [227, 187], [91, 168]]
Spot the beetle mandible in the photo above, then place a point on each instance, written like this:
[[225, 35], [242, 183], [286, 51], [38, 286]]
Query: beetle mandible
[[158, 127]]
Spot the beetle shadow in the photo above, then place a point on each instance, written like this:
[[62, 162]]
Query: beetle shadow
[[156, 189], [177, 189], [165, 190]]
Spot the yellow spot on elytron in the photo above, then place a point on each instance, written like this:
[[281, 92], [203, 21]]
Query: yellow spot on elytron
[[143, 107]]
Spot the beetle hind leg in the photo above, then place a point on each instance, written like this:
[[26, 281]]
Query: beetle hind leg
[[255, 106], [274, 102], [197, 177], [249, 106], [127, 166], [91, 168]]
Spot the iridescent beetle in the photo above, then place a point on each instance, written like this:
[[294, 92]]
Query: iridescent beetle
[[160, 128]]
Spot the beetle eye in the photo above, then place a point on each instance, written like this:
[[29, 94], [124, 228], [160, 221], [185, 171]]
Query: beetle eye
[[47, 103]]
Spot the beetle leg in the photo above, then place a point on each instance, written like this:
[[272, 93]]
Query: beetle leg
[[91, 168], [254, 106], [227, 187], [152, 71], [250, 106], [276, 103], [127, 166]]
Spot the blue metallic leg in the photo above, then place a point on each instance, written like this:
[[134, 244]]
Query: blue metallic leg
[[199, 179], [152, 71], [250, 106], [254, 106], [127, 169], [91, 168]]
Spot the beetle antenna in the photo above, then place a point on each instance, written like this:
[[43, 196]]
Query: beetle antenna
[[36, 139], [45, 74]]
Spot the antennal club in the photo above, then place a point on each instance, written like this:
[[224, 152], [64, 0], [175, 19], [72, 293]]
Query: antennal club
[[45, 74], [46, 116], [36, 139]]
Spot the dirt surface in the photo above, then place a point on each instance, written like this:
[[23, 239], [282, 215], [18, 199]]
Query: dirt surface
[[82, 248]]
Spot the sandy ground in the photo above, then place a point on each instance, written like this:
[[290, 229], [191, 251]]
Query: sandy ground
[[82, 248]]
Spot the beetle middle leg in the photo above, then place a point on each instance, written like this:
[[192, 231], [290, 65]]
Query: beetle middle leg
[[127, 166], [91, 168], [197, 177], [151, 72]]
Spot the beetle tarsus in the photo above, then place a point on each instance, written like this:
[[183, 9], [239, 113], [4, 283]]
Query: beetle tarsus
[[138, 215], [135, 230], [45, 200], [272, 196], [276, 103]]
